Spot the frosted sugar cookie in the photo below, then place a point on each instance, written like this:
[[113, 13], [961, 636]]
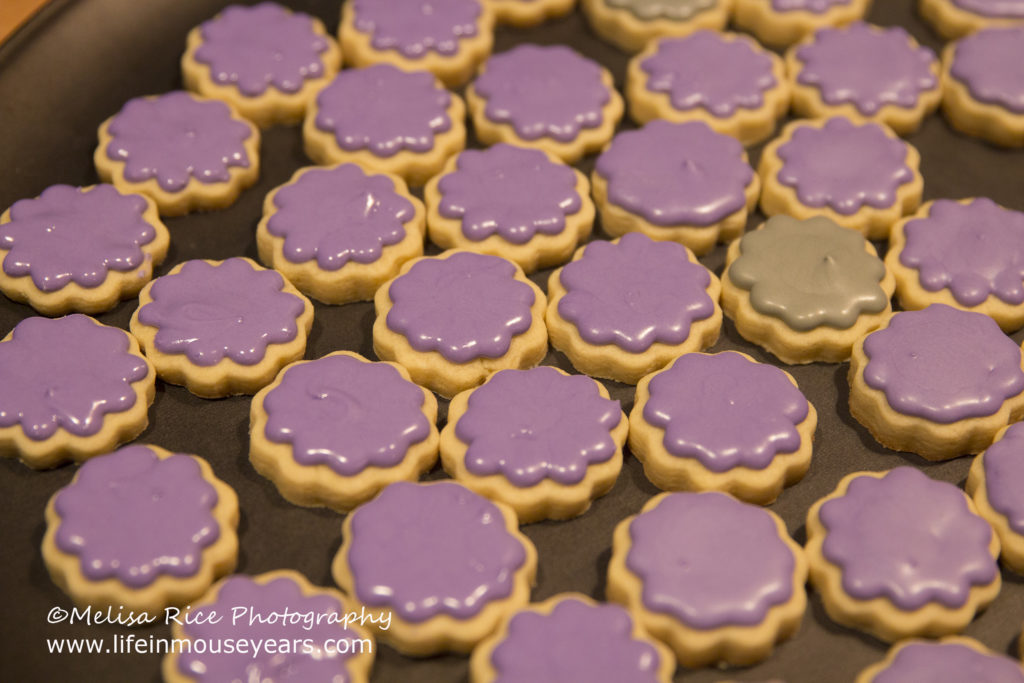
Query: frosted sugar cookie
[[630, 24], [899, 555], [543, 442], [141, 529], [185, 152], [79, 248], [939, 382], [456, 565], [523, 13], [780, 23], [265, 60], [957, 18], [995, 483], [950, 660], [72, 388]]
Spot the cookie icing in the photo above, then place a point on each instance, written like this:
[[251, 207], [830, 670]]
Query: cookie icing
[[339, 215], [261, 47], [358, 108], [66, 373], [75, 235], [948, 663], [676, 173], [974, 250], [415, 28], [676, 10], [133, 516], [465, 306], [989, 63], [544, 91], [725, 411], [715, 537], [705, 70], [998, 9], [909, 539], [176, 138], [212, 311], [509, 191], [814, 6], [867, 66], [346, 413], [423, 550], [277, 596], [809, 273], [576, 641], [943, 364], [532, 425], [844, 166], [1004, 475]]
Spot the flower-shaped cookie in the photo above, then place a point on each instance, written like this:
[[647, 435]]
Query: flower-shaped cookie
[[958, 18], [631, 24], [994, 483], [950, 659], [779, 23]]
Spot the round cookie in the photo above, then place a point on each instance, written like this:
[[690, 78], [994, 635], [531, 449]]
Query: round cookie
[[221, 327], [968, 254], [939, 382], [622, 309], [355, 119], [722, 422], [333, 648], [72, 388], [448, 38], [185, 152], [865, 73], [522, 204], [569, 637], [141, 529], [631, 24], [675, 181], [79, 248], [805, 290], [717, 580], [525, 13], [950, 660], [861, 175], [340, 233], [726, 80], [953, 19], [983, 92], [549, 97], [452, 320], [541, 441], [899, 555], [455, 566], [995, 482], [266, 61], [780, 23]]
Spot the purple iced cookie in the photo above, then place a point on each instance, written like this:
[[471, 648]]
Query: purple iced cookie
[[988, 64], [417, 28], [993, 9], [1004, 476], [952, 660]]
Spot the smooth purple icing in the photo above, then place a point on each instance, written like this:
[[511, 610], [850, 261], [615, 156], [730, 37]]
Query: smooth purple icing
[[726, 411], [133, 516], [231, 309], [66, 373], [465, 306], [254, 48], [844, 166], [815, 6], [531, 425], [943, 364], [280, 595], [676, 173], [575, 642], [634, 293], [710, 561], [1004, 476], [509, 191], [346, 413], [358, 107], [422, 550], [924, 662], [705, 70], [337, 215], [174, 138], [909, 539], [417, 27], [543, 91], [974, 250], [991, 64], [867, 66], [1010, 9], [66, 235]]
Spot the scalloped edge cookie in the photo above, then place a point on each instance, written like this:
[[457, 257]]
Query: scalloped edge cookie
[[782, 29], [626, 31], [870, 674], [952, 22], [1011, 542], [990, 122]]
